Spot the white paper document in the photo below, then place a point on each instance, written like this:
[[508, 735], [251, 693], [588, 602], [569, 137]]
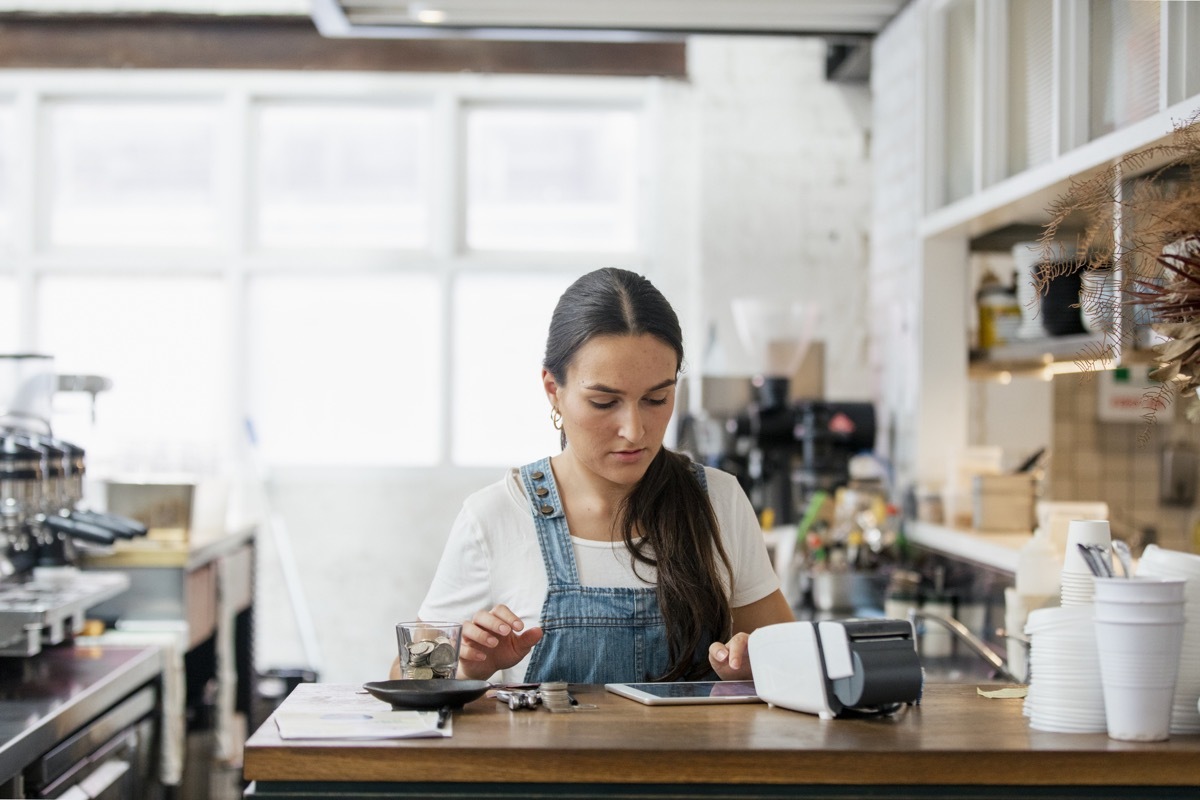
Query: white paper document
[[359, 724]]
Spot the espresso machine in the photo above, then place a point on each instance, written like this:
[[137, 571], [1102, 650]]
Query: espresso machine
[[43, 596], [785, 451]]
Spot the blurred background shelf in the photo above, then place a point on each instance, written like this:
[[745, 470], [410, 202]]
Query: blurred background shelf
[[995, 550]]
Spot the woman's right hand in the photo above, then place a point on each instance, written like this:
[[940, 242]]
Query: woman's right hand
[[492, 641]]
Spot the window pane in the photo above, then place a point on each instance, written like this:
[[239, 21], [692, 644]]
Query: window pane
[[10, 314], [163, 343], [501, 414], [132, 174], [7, 160], [343, 175], [1125, 63], [346, 370], [552, 180]]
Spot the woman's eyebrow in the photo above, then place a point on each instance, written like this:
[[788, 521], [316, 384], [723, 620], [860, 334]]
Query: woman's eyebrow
[[600, 387]]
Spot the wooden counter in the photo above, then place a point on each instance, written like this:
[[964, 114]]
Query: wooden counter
[[955, 738]]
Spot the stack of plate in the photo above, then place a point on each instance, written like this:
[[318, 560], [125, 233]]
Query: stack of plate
[[1065, 694], [1159, 563]]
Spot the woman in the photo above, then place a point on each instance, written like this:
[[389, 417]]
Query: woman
[[616, 560]]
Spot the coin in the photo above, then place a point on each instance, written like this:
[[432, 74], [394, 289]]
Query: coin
[[421, 648], [554, 697], [442, 655], [429, 658]]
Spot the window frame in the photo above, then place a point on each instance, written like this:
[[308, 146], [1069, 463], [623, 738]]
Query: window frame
[[237, 260]]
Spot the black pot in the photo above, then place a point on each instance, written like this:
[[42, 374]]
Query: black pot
[[1061, 311]]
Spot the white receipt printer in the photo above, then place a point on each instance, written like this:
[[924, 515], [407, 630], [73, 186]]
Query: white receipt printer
[[866, 666]]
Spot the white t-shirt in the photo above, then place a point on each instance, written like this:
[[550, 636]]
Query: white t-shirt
[[493, 557]]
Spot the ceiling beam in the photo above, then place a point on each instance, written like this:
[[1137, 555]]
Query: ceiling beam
[[271, 43]]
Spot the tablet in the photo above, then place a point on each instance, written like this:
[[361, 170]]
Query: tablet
[[687, 692]]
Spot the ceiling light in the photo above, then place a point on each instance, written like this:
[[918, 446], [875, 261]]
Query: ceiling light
[[431, 16]]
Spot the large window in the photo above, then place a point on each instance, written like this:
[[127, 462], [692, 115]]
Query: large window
[[130, 173], [552, 179], [344, 369], [343, 175], [163, 343], [501, 412], [7, 159], [360, 275]]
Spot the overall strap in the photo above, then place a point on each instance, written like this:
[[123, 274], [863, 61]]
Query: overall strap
[[546, 507]]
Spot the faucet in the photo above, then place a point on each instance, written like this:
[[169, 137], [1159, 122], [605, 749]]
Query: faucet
[[976, 644]]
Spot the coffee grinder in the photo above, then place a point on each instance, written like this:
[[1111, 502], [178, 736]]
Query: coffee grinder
[[775, 333], [785, 450]]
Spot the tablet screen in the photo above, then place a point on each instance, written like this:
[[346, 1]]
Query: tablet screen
[[687, 692]]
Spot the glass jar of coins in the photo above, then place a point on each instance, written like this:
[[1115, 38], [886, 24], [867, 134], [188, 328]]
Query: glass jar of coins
[[428, 650]]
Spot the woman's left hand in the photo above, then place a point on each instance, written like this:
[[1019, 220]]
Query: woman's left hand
[[731, 659]]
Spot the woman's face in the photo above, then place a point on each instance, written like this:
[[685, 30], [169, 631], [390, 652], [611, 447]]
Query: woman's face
[[616, 402]]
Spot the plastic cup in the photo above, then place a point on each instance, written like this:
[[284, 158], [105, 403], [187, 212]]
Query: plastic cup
[[1139, 664], [428, 650], [1137, 713], [1140, 589], [1110, 611]]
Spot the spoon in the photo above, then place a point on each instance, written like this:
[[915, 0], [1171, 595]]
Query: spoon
[[1124, 556], [1094, 557]]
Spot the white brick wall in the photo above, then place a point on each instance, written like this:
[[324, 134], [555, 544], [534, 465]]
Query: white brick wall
[[784, 194], [897, 72]]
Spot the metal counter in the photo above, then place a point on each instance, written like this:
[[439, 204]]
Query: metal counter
[[45, 697]]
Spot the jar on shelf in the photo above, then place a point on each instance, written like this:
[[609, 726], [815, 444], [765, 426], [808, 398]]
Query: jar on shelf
[[999, 312]]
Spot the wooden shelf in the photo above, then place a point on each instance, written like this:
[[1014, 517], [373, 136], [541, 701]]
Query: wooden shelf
[[1034, 355]]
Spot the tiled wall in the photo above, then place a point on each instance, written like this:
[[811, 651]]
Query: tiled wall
[[1117, 462]]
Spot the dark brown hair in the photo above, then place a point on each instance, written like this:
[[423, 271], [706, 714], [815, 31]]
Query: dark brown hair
[[667, 507]]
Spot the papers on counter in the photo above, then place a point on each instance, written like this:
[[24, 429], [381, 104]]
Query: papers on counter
[[360, 724]]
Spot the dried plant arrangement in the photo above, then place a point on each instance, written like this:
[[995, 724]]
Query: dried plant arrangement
[[1137, 245]]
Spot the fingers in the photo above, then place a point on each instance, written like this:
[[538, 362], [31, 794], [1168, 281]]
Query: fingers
[[495, 639], [486, 628], [731, 660], [528, 639], [507, 618]]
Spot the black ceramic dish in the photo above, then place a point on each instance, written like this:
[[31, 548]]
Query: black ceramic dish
[[427, 695]]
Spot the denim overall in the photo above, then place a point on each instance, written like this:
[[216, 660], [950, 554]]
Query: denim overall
[[592, 634]]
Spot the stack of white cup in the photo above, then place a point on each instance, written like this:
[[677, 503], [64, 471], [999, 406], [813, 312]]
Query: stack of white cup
[[1139, 633], [1077, 579], [1065, 693], [1161, 563]]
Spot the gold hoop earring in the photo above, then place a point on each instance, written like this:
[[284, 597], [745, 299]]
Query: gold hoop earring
[[556, 419]]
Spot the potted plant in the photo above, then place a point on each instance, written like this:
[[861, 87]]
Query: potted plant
[[1137, 247]]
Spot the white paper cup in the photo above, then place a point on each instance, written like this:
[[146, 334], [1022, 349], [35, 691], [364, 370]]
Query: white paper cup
[[1085, 531]]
